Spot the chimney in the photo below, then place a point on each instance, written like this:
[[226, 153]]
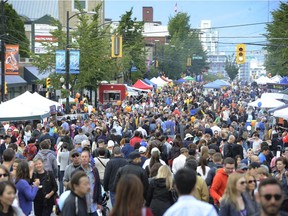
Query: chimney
[[147, 14]]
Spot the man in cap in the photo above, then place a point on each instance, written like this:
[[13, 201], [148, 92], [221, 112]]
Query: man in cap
[[133, 168], [113, 165], [74, 156], [179, 162]]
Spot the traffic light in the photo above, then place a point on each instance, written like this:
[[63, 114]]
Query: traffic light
[[156, 63], [48, 83], [240, 53], [116, 51], [5, 88], [189, 62]]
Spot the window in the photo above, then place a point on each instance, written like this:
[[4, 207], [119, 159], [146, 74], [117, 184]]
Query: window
[[111, 96], [83, 4]]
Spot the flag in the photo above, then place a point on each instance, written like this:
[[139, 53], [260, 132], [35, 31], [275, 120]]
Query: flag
[[175, 8]]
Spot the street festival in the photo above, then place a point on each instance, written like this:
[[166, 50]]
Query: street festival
[[162, 137]]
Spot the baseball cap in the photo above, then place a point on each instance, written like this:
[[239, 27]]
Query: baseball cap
[[142, 149], [110, 143], [73, 152], [211, 151], [133, 155], [156, 150]]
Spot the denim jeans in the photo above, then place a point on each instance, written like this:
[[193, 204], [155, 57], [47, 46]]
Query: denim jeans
[[61, 186], [112, 197]]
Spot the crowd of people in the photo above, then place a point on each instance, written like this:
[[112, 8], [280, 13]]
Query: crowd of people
[[178, 151]]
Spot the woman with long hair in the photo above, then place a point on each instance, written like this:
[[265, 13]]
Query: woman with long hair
[[250, 189], [203, 167], [129, 200], [159, 197], [282, 176], [7, 197], [233, 202], [44, 200], [26, 192]]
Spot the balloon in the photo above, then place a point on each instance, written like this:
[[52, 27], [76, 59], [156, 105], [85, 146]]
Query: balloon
[[128, 108], [249, 128], [77, 95], [81, 102], [93, 110], [62, 199], [253, 122], [149, 94], [126, 94], [193, 118], [85, 109], [285, 139], [118, 102], [259, 104], [76, 100]]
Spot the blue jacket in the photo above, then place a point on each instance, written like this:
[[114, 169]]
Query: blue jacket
[[127, 149], [26, 195]]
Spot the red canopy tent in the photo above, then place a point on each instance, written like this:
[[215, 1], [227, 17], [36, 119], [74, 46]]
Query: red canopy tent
[[142, 85]]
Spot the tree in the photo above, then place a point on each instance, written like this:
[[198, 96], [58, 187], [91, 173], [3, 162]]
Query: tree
[[184, 43], [231, 67], [15, 31], [134, 53], [277, 52], [93, 40]]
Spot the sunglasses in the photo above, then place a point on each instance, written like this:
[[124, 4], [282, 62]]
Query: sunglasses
[[251, 181], [4, 175], [75, 155], [268, 197], [243, 182]]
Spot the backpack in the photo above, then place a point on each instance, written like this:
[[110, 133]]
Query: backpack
[[30, 151]]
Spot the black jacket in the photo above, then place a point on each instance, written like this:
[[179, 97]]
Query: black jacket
[[237, 150], [211, 174], [110, 172], [159, 198], [70, 207], [135, 169]]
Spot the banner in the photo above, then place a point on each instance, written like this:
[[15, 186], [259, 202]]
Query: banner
[[74, 61], [60, 61], [12, 59]]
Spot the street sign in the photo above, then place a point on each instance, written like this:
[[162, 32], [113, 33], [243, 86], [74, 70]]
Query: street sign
[[133, 69]]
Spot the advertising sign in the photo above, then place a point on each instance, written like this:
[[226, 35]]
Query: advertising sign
[[12, 59], [74, 61], [60, 61]]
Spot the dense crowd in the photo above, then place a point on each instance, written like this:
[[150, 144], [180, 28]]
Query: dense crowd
[[178, 151]]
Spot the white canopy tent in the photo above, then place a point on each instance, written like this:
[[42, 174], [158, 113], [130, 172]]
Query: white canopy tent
[[44, 101], [266, 103], [276, 78], [23, 107], [276, 96], [264, 80], [283, 113]]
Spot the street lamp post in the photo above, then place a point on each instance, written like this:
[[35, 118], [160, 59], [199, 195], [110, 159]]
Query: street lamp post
[[3, 50], [67, 56]]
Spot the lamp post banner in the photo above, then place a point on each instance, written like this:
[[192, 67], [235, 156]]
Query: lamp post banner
[[74, 61], [60, 61], [12, 59]]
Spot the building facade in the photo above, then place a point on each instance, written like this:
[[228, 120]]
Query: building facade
[[209, 37]]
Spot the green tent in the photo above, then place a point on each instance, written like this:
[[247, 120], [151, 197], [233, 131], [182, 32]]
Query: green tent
[[189, 78], [285, 91]]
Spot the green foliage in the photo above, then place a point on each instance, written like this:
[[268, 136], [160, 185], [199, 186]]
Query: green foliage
[[209, 77], [231, 67], [133, 46], [276, 60], [15, 31], [184, 43]]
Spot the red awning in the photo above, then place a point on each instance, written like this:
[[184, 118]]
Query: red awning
[[142, 85]]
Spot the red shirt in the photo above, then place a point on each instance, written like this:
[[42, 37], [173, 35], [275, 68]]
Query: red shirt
[[134, 140]]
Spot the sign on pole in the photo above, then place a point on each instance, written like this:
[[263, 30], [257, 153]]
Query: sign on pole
[[74, 61], [12, 59], [60, 61]]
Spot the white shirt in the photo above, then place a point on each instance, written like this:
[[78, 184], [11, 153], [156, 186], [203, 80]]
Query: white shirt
[[143, 131], [216, 128], [200, 171], [147, 162], [178, 163], [189, 206]]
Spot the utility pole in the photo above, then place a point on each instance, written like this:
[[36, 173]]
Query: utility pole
[[3, 36]]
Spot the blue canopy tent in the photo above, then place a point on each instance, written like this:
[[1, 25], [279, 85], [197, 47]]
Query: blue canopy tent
[[284, 80], [217, 84], [150, 83], [181, 80]]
